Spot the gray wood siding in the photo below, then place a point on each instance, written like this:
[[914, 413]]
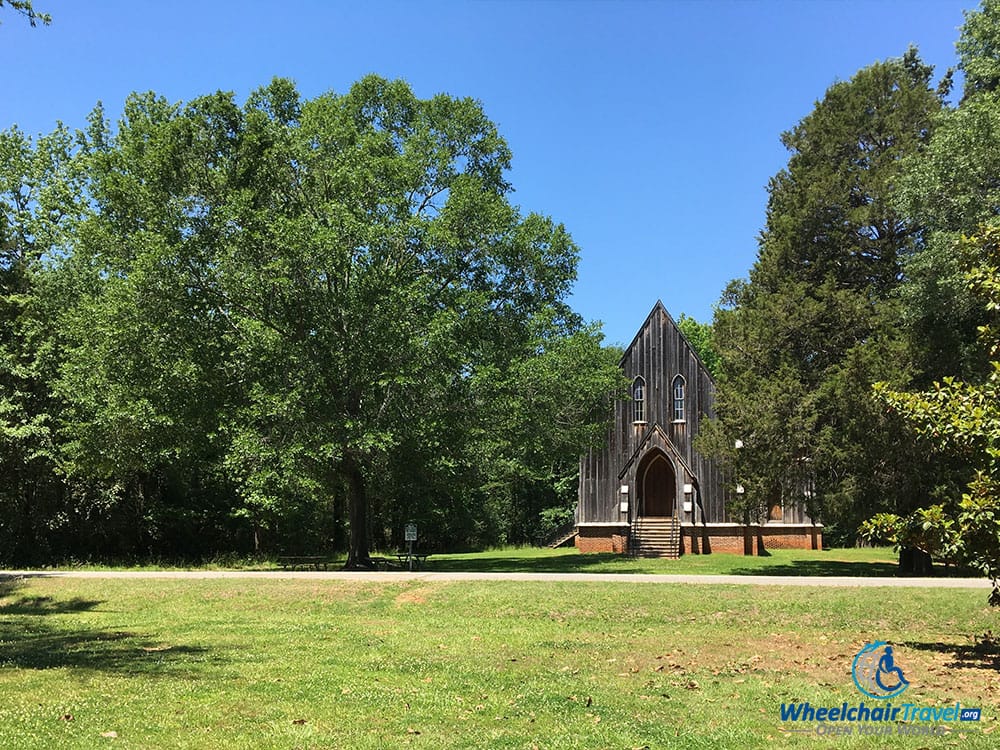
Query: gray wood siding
[[658, 353]]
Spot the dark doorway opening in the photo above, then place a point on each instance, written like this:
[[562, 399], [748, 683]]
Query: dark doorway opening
[[659, 485]]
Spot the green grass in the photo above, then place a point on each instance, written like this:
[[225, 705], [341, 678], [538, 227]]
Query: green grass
[[837, 562], [334, 664]]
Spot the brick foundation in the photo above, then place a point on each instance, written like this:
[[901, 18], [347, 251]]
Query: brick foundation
[[798, 536], [731, 538], [725, 537], [602, 539], [720, 538]]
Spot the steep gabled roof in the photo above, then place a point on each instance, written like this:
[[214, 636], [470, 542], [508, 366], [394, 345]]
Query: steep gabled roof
[[659, 307]]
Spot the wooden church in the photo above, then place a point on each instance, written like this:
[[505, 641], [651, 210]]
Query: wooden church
[[647, 491]]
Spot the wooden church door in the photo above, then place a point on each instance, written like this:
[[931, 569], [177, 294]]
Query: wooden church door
[[659, 486]]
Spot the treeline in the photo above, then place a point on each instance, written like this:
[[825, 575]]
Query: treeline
[[285, 326], [291, 326], [862, 278]]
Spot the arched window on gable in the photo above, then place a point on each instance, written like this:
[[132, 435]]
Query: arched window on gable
[[678, 393], [638, 400]]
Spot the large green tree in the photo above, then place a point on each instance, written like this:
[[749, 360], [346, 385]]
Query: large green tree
[[306, 291], [950, 189], [801, 341], [537, 413], [40, 206], [963, 417]]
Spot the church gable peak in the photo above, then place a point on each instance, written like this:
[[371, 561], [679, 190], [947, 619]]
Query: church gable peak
[[660, 325], [658, 318]]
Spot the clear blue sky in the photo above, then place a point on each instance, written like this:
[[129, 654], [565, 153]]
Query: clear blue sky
[[649, 128]]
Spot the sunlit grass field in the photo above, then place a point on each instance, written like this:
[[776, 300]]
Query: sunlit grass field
[[878, 561], [262, 663]]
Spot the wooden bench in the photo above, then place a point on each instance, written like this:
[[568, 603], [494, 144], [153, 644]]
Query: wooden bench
[[301, 562]]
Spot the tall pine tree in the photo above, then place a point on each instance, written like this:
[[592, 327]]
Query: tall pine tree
[[816, 323]]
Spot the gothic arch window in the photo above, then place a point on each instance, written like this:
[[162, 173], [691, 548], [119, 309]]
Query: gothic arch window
[[678, 394], [638, 400]]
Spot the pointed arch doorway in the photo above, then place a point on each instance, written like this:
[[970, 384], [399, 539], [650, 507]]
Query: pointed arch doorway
[[658, 481]]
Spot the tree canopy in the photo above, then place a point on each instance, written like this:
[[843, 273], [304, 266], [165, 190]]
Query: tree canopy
[[963, 418], [702, 338], [950, 189], [289, 325], [289, 308], [951, 297], [852, 365], [816, 321]]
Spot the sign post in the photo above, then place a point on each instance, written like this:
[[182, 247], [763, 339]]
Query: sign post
[[410, 538]]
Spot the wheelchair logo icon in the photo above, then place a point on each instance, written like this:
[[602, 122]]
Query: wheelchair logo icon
[[876, 673]]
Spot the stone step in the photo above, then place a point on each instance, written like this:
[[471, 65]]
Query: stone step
[[668, 554], [644, 532], [656, 537]]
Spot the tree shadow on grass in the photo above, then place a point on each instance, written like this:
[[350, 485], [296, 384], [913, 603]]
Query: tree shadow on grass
[[33, 646], [984, 653], [848, 568], [45, 605], [842, 568], [515, 564], [32, 638], [616, 563]]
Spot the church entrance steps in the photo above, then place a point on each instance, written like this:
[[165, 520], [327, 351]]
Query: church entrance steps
[[656, 536]]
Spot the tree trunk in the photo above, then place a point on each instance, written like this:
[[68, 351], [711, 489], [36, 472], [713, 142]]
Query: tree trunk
[[358, 557], [747, 535], [338, 519], [747, 541], [706, 545], [761, 552], [914, 562]]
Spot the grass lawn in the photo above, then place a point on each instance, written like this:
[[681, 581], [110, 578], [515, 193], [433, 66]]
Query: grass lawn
[[237, 663], [878, 561]]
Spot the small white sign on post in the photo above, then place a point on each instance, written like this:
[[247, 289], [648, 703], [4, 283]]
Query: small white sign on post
[[411, 533]]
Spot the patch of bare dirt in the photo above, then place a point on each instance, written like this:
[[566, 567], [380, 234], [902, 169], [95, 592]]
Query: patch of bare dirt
[[412, 596]]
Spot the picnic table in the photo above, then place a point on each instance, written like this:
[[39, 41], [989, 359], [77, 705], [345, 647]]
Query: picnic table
[[295, 562], [416, 558]]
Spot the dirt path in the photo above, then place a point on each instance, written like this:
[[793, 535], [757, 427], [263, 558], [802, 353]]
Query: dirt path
[[729, 580]]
